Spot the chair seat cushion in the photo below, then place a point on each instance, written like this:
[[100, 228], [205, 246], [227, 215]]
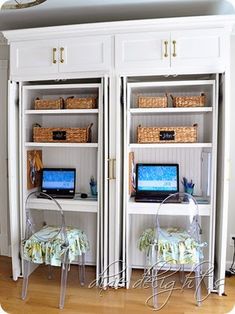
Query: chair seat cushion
[[175, 246], [39, 248]]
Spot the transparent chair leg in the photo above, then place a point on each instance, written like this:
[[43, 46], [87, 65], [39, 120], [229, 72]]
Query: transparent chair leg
[[147, 266], [182, 274], [64, 276], [25, 279], [198, 285], [154, 275], [154, 286], [82, 270], [50, 272]]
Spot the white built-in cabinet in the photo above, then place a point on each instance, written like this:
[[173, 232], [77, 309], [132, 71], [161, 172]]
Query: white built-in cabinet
[[169, 50], [117, 62], [58, 56]]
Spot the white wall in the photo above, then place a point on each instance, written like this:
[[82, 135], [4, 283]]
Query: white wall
[[4, 215], [4, 52], [231, 213]]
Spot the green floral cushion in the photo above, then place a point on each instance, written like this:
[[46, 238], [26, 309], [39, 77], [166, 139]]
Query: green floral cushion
[[38, 249], [175, 246]]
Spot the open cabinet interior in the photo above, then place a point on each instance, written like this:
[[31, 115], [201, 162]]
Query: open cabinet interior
[[60, 148], [195, 155]]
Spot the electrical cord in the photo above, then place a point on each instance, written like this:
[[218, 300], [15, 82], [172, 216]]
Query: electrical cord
[[231, 271], [232, 268]]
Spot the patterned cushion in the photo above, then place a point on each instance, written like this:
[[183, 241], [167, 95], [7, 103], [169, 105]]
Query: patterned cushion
[[175, 246], [39, 248]]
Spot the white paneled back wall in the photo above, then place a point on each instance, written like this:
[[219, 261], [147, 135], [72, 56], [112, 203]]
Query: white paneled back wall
[[4, 221]]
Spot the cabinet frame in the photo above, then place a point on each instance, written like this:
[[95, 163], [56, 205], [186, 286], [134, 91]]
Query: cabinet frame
[[85, 207], [133, 209]]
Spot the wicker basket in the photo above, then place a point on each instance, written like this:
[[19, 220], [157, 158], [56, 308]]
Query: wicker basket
[[189, 101], [152, 102], [80, 103], [183, 134], [62, 135], [48, 103]]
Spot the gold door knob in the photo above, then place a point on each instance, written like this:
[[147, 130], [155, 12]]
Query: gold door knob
[[61, 55], [174, 48], [166, 49], [54, 55]]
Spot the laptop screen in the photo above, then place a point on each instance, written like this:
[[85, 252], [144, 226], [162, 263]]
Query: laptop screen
[[58, 181], [157, 178]]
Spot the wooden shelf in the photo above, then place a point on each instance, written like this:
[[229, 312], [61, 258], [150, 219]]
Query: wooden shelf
[[142, 111], [62, 111], [138, 208], [78, 145], [72, 205], [171, 145]]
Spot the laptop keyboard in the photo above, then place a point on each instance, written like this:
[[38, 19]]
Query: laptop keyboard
[[55, 196], [149, 200], [156, 200]]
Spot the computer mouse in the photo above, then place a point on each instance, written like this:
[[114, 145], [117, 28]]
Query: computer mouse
[[84, 195]]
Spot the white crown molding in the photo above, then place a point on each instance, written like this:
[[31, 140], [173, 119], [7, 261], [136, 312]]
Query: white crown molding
[[110, 28]]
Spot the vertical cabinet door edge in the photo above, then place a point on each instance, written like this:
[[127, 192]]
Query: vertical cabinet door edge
[[13, 164]]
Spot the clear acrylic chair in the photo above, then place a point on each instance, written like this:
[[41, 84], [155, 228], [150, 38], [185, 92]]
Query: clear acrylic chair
[[174, 242], [54, 245]]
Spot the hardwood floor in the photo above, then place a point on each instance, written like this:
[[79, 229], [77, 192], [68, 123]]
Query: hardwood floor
[[43, 296]]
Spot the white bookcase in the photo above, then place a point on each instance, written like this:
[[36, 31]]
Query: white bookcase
[[87, 158], [119, 61], [189, 156]]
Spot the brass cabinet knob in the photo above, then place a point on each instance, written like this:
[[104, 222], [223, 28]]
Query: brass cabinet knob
[[62, 55], [174, 48], [166, 49], [54, 56]]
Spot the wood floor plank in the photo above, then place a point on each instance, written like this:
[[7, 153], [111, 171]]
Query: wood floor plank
[[43, 296]]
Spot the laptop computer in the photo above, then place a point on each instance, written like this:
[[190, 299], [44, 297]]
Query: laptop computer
[[59, 182], [154, 182]]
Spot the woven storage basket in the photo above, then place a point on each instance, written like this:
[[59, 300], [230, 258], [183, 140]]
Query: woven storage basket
[[183, 134], [48, 103], [152, 102], [189, 101], [80, 103], [62, 135]]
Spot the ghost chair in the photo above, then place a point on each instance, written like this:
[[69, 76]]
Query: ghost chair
[[54, 245], [174, 243]]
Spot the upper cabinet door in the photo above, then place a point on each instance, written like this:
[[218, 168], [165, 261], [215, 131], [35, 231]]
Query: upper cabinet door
[[142, 51], [197, 48], [34, 58], [85, 54]]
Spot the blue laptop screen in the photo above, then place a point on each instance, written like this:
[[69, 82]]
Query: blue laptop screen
[[58, 179], [157, 178]]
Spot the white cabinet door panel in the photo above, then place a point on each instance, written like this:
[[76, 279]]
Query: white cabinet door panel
[[142, 50], [85, 54], [34, 58], [13, 166], [197, 48]]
